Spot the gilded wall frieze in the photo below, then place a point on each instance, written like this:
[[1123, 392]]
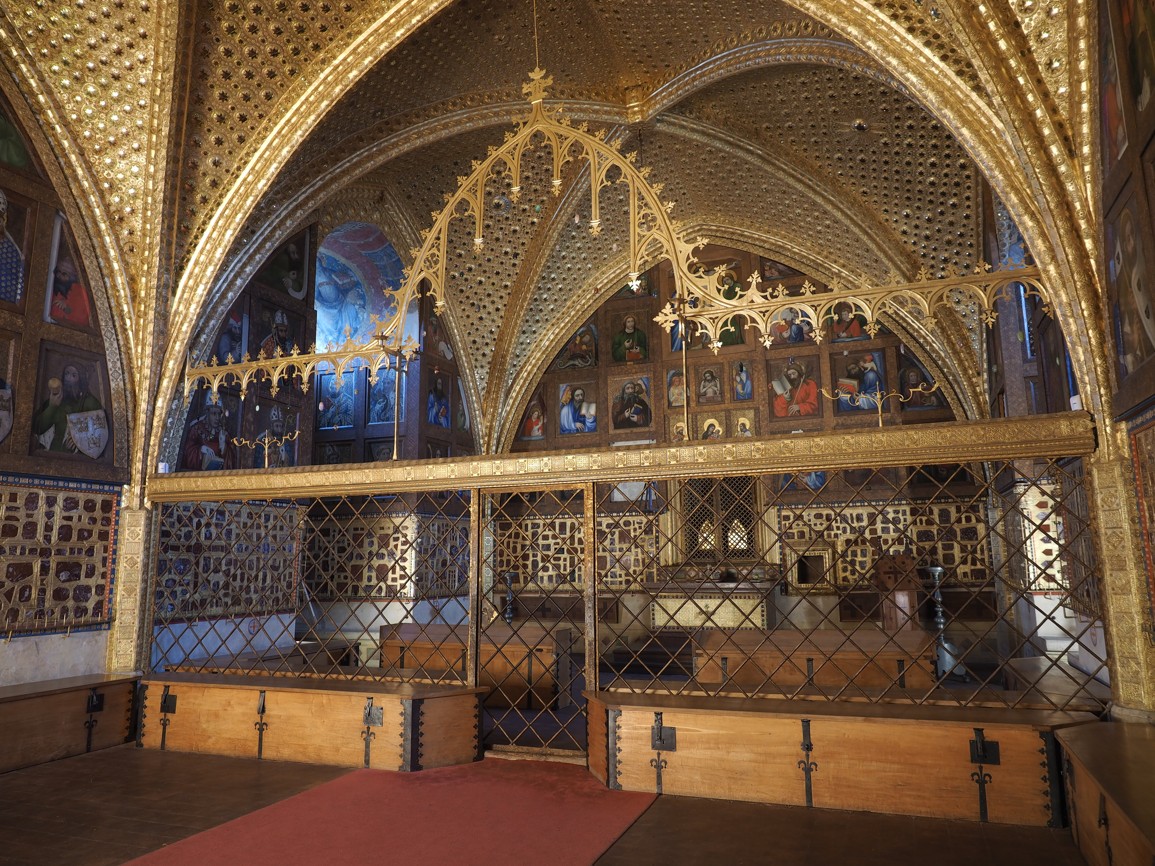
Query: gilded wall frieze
[[1066, 434]]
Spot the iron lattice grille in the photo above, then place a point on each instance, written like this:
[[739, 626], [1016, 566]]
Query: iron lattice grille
[[962, 584], [836, 598], [531, 649]]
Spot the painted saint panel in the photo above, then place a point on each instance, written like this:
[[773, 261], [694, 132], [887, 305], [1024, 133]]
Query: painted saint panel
[[9, 352], [631, 342], [631, 407], [675, 388], [335, 408], [580, 351], [741, 381], [860, 379], [71, 395], [795, 388], [14, 227], [287, 270], [382, 399], [437, 403], [209, 443], [533, 421], [577, 409], [68, 300], [1129, 295]]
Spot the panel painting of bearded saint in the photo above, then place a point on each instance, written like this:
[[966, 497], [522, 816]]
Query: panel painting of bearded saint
[[70, 418], [67, 300], [630, 342], [577, 409], [631, 408], [276, 330], [14, 225], [9, 351], [794, 388]]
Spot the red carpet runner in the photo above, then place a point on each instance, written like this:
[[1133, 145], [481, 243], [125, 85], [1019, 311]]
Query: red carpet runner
[[494, 811]]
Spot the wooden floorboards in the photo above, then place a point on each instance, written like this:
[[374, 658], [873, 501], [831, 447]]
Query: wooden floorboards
[[113, 805], [680, 831], [108, 807]]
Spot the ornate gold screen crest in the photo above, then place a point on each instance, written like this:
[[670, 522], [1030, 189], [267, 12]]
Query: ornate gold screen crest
[[702, 297]]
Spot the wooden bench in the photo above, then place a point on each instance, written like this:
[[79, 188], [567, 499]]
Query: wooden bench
[[525, 667], [824, 657], [50, 719], [1110, 776], [343, 723], [1060, 683], [996, 765]]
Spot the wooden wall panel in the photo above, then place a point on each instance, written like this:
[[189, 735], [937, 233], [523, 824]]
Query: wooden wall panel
[[925, 769], [900, 760], [46, 721], [1110, 768], [448, 731], [598, 737], [728, 756], [327, 728], [315, 722], [208, 719]]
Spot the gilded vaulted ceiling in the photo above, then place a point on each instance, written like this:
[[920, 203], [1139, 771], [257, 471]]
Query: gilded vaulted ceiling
[[194, 134]]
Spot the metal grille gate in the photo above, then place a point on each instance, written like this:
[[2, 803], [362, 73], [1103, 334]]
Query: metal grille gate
[[963, 584]]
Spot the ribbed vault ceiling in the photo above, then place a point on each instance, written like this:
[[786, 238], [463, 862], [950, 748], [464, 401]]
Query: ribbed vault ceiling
[[761, 124]]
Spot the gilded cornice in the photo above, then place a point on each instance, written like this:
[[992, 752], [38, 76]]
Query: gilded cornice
[[1026, 181], [1040, 436]]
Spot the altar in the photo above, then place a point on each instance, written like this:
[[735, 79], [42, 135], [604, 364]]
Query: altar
[[713, 604]]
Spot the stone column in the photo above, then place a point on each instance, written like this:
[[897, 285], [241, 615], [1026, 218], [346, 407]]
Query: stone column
[[1125, 592], [127, 643]]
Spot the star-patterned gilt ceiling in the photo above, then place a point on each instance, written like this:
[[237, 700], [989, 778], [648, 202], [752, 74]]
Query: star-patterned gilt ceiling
[[839, 137], [802, 150]]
